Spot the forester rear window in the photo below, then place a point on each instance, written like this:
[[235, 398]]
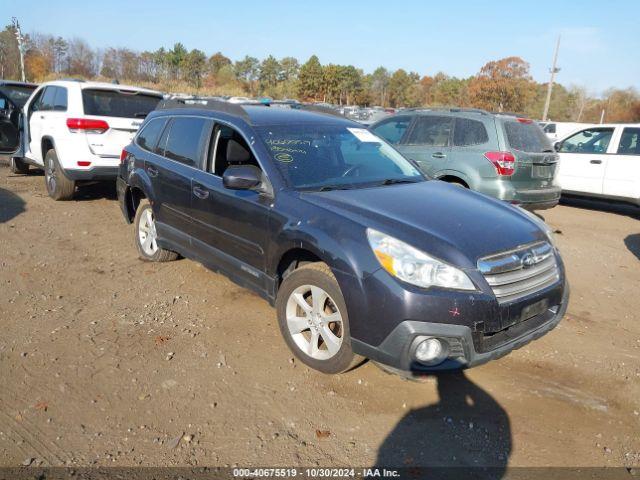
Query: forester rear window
[[118, 103], [526, 137]]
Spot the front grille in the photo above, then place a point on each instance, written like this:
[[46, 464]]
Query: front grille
[[517, 273]]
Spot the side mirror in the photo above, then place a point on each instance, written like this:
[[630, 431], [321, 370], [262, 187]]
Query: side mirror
[[241, 177], [557, 146]]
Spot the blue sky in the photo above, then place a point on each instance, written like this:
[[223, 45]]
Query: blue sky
[[599, 49]]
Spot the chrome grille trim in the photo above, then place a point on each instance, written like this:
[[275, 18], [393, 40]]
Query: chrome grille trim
[[517, 273]]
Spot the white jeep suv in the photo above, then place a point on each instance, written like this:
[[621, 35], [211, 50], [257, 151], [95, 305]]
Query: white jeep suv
[[76, 130]]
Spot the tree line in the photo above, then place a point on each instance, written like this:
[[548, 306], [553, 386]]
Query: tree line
[[500, 85]]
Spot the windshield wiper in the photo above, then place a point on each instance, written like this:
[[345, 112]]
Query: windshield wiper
[[394, 181], [326, 188]]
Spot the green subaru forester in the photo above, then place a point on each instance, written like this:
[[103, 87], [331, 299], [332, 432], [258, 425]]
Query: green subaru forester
[[501, 155]]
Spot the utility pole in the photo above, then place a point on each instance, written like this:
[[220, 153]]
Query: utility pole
[[20, 38], [553, 71]]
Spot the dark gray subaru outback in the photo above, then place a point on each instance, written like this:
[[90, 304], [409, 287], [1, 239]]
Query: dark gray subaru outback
[[361, 255]]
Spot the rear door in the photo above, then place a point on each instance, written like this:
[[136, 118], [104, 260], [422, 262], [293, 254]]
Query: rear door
[[123, 110], [536, 161], [583, 160], [429, 142], [178, 155], [38, 114], [622, 173]]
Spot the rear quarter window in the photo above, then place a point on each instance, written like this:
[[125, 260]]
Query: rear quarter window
[[526, 137], [150, 133], [469, 132], [118, 103]]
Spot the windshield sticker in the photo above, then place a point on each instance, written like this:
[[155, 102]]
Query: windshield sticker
[[286, 141], [364, 135], [283, 157]]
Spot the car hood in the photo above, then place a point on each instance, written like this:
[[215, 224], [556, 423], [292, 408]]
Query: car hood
[[449, 222]]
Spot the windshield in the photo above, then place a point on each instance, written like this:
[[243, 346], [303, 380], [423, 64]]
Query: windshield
[[18, 94], [334, 156], [118, 103]]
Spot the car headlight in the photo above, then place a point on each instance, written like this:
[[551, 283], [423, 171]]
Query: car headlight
[[538, 221], [414, 266]]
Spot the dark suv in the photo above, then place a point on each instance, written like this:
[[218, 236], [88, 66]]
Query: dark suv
[[361, 255], [501, 155]]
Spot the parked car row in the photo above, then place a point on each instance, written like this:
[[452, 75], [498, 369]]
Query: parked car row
[[362, 254]]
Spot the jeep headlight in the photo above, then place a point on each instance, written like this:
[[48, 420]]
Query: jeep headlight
[[414, 266]]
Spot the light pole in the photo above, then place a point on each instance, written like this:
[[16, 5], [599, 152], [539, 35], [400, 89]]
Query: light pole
[[20, 38], [553, 72]]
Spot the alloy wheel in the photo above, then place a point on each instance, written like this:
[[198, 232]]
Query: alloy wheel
[[314, 322], [147, 233]]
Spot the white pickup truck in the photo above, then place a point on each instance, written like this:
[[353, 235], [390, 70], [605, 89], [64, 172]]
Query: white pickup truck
[[601, 161]]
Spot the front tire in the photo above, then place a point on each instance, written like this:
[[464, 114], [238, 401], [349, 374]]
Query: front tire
[[313, 319], [18, 166], [146, 237], [59, 187]]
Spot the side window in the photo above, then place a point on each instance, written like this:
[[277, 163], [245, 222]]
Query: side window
[[431, 131], [35, 104], [218, 162], [150, 133], [185, 140], [630, 142], [48, 99], [60, 100], [591, 140], [469, 132], [550, 128], [393, 129]]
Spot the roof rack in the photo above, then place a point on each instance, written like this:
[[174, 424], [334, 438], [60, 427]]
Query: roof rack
[[205, 103], [447, 109]]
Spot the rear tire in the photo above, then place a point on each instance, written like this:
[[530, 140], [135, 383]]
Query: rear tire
[[18, 166], [313, 319], [145, 236], [59, 187]]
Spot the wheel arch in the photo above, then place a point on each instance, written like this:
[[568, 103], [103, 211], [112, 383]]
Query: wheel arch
[[47, 143]]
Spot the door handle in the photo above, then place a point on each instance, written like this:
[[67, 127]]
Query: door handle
[[152, 172], [438, 155], [200, 192], [596, 162]]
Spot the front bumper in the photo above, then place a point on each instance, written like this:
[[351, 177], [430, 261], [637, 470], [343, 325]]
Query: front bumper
[[468, 348]]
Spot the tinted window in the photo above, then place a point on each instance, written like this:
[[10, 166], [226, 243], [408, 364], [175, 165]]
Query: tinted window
[[392, 130], [18, 94], [526, 136], [185, 140], [469, 132], [48, 99], [148, 137], [431, 131], [60, 100], [630, 142], [118, 103], [591, 140], [550, 128]]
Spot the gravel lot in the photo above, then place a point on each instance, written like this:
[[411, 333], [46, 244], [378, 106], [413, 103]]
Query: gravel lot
[[106, 360]]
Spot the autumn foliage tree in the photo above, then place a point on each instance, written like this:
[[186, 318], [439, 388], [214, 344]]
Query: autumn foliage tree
[[502, 85]]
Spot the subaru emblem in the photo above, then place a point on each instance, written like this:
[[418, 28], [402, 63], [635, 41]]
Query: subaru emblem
[[528, 260]]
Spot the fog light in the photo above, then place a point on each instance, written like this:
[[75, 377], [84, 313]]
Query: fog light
[[431, 351]]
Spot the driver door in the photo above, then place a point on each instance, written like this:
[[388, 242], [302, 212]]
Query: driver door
[[10, 122], [583, 160]]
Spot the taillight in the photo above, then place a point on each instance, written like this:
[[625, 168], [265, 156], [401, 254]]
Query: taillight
[[524, 120], [504, 162], [87, 125], [123, 156]]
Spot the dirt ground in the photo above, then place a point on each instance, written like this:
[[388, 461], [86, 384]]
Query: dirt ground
[[106, 360]]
